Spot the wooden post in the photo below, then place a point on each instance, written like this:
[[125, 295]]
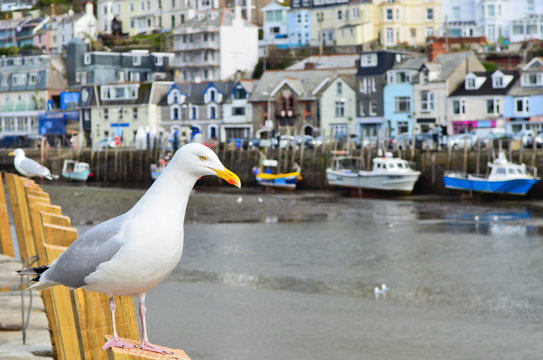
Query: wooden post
[[362, 162], [286, 168], [520, 152], [413, 143], [433, 167], [302, 147], [106, 163], [465, 160], [368, 164], [6, 245], [534, 145], [133, 354], [478, 158]]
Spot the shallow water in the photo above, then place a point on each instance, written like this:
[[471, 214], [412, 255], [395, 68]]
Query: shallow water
[[465, 283]]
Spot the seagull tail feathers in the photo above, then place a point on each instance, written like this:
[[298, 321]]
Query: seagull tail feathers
[[40, 284]]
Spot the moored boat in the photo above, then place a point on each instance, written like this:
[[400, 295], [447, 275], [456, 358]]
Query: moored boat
[[75, 170], [388, 174], [266, 174], [505, 177]]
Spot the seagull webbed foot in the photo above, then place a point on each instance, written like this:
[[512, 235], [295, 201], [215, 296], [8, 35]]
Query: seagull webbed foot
[[150, 347], [118, 342]]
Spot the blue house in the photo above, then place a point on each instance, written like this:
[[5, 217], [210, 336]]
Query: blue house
[[523, 104], [398, 95], [299, 27]]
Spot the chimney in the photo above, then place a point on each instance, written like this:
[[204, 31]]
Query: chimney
[[53, 10], [88, 8], [309, 66], [435, 49]]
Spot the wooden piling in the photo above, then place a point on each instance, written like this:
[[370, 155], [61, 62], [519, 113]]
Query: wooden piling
[[6, 245]]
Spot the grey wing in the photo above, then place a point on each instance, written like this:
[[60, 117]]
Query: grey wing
[[91, 249], [31, 167]]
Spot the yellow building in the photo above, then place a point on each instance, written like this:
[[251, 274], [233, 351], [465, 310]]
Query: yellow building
[[408, 21]]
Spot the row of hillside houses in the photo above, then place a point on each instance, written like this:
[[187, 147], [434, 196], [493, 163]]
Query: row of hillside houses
[[340, 22], [101, 95]]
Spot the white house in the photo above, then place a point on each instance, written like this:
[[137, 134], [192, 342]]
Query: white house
[[82, 25], [215, 45], [275, 29]]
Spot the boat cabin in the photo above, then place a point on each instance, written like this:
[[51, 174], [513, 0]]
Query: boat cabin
[[72, 166], [387, 163], [502, 169]]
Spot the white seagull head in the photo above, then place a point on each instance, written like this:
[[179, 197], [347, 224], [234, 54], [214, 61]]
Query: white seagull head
[[200, 160], [17, 153]]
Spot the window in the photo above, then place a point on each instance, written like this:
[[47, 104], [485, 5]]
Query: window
[[238, 111], [456, 13], [339, 89], [373, 107], [194, 113], [340, 109], [18, 79], [497, 82], [136, 60], [389, 14], [212, 95], [492, 106], [175, 112], [430, 31], [491, 12], [339, 15], [120, 76], [426, 101], [131, 6], [142, 5], [356, 13], [459, 107], [390, 36], [429, 14], [367, 60], [132, 23], [87, 59], [134, 76], [33, 78], [522, 105], [530, 6], [159, 60], [413, 32], [106, 114], [470, 84], [532, 79], [402, 104]]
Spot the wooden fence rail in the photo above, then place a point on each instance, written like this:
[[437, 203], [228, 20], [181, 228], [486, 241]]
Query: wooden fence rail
[[78, 319]]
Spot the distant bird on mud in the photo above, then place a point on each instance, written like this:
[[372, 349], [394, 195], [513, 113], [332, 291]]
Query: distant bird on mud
[[28, 167], [132, 253]]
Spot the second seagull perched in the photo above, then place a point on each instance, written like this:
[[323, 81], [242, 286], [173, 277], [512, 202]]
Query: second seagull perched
[[28, 167], [131, 253]]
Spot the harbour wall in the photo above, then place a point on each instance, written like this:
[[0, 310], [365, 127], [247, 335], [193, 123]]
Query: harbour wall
[[131, 168]]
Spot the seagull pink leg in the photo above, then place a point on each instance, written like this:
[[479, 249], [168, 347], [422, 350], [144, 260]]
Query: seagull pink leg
[[145, 344], [115, 341]]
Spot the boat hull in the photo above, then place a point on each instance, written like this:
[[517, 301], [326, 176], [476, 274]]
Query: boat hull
[[77, 176], [394, 183], [511, 187], [278, 181]]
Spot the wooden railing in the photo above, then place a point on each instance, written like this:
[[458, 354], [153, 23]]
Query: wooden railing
[[79, 320]]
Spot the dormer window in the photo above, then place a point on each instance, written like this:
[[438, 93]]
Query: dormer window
[[368, 60], [497, 82], [212, 95], [532, 79], [470, 84], [87, 59], [136, 60]]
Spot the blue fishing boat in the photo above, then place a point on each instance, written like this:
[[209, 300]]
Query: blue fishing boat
[[266, 175], [505, 177], [75, 170]]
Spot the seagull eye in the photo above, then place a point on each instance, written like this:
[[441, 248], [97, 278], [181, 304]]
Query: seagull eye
[[203, 158]]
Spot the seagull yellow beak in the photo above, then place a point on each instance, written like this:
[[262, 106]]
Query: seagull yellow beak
[[229, 176], [11, 154]]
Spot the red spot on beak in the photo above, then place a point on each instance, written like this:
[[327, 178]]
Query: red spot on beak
[[231, 182]]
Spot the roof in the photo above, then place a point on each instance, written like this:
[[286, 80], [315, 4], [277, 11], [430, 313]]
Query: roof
[[327, 62], [144, 94], [385, 61], [448, 63], [209, 19], [411, 63], [301, 81], [486, 88], [195, 91]]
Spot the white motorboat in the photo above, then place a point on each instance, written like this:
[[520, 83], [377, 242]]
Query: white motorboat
[[388, 174]]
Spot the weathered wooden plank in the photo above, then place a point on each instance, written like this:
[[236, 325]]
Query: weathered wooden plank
[[6, 245], [133, 354]]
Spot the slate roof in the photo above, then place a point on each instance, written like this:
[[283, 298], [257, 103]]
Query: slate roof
[[411, 63], [450, 62], [144, 93], [327, 62], [195, 91], [486, 88], [305, 81], [213, 18], [385, 61]]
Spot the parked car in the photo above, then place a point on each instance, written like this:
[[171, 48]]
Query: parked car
[[309, 141], [459, 141], [538, 140], [525, 137], [402, 141], [494, 139], [105, 142]]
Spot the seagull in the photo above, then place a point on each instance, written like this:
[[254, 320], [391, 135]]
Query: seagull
[[131, 253], [28, 167]]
